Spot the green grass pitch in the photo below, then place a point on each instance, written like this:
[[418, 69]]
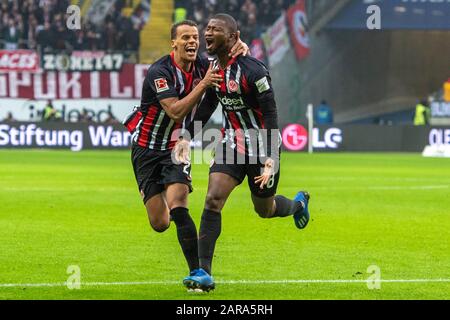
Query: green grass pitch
[[59, 208]]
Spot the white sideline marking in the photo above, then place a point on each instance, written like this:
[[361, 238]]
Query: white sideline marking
[[170, 282]]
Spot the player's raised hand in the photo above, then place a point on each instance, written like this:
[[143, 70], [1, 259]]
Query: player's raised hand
[[212, 77], [182, 151], [268, 172], [239, 47]]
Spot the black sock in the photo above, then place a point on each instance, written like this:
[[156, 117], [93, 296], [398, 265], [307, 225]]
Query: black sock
[[285, 206], [187, 235], [210, 228]]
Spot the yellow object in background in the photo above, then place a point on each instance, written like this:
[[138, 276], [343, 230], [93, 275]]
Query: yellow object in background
[[447, 91]]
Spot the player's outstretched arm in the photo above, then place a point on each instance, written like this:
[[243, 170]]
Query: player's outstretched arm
[[177, 109]]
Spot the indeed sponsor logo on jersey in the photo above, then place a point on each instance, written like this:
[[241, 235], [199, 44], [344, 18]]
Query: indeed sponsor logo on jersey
[[232, 104]]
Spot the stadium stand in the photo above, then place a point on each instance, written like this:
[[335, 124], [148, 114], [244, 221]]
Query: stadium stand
[[41, 25], [253, 16], [122, 25]]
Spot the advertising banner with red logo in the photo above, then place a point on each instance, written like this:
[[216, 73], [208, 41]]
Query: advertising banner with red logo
[[296, 15], [18, 60], [257, 49], [276, 41], [126, 84]]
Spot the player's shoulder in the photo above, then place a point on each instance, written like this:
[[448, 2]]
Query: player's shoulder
[[252, 65], [161, 65]]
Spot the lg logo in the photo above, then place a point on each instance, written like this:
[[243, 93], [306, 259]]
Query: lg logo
[[295, 138], [331, 138]]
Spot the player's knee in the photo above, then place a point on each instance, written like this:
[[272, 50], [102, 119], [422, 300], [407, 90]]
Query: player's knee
[[214, 202], [180, 200], [160, 226], [263, 212]]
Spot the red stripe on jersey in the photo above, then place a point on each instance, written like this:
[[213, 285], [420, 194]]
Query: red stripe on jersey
[[188, 75], [245, 84], [146, 124], [223, 86], [239, 132], [173, 139], [133, 121]]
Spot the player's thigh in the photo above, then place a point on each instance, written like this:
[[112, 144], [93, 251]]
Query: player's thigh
[[158, 212], [269, 190], [177, 195], [220, 185]]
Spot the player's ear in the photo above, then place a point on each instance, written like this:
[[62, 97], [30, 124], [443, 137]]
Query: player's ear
[[172, 44]]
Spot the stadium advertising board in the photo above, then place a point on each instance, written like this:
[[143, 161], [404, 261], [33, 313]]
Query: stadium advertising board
[[276, 41], [80, 136], [83, 61], [257, 49], [18, 60], [295, 138], [69, 109], [365, 138], [126, 84], [75, 137], [297, 19], [440, 109]]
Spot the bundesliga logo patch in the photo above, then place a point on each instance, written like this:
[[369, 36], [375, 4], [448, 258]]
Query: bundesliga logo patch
[[161, 85], [262, 85]]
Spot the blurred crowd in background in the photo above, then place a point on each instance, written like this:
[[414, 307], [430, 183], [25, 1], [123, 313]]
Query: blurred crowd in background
[[253, 16], [41, 25]]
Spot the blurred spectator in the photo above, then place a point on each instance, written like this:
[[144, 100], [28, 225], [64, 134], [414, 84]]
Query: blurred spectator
[[11, 35], [50, 113], [85, 116], [44, 39], [422, 114], [110, 36], [323, 114], [9, 117], [137, 18], [180, 14], [111, 119]]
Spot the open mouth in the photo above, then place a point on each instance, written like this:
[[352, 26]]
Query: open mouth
[[191, 50], [209, 42]]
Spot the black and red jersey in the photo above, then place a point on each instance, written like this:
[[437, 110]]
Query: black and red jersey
[[151, 127], [247, 100]]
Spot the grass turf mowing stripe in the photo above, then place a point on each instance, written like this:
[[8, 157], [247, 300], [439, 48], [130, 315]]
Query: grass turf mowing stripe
[[256, 282]]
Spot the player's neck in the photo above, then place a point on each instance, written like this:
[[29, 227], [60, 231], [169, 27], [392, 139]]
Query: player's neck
[[223, 58], [182, 64]]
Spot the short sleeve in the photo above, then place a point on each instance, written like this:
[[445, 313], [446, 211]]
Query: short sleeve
[[258, 76], [161, 81]]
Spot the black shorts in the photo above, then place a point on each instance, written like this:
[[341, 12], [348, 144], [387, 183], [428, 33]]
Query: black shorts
[[239, 167], [154, 169]]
